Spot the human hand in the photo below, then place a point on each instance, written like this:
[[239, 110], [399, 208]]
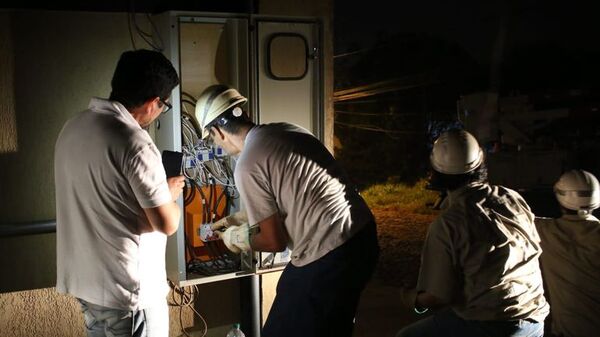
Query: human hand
[[176, 185], [413, 300], [408, 296], [236, 238], [235, 219]]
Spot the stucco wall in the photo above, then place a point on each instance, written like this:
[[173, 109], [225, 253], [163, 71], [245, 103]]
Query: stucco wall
[[60, 61], [41, 312], [44, 312], [51, 64], [8, 129]]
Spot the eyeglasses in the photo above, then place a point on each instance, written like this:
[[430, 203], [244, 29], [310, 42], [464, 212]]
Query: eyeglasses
[[166, 104]]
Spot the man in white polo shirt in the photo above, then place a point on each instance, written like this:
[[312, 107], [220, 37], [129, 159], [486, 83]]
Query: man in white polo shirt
[[297, 196], [115, 205]]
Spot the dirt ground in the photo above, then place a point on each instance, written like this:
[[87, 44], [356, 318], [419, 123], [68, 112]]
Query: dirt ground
[[401, 234]]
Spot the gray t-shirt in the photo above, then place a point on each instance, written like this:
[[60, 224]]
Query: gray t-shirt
[[481, 255], [284, 169], [571, 266], [107, 169]]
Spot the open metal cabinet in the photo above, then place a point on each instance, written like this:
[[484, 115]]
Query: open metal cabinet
[[275, 62]]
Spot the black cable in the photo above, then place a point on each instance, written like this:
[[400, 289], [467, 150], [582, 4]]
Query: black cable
[[210, 244], [189, 197], [188, 102], [203, 198], [216, 207], [205, 219], [194, 99], [186, 299], [130, 32], [145, 36], [220, 261], [162, 44], [195, 264]]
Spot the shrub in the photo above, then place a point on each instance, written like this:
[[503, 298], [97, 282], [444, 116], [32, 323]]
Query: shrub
[[414, 198]]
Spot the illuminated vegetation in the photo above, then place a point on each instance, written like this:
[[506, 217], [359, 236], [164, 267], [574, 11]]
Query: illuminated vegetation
[[414, 198]]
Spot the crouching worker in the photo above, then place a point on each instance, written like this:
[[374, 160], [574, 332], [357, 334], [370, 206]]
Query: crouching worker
[[480, 271], [297, 196], [571, 258]]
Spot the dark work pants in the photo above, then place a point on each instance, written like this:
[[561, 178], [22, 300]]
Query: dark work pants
[[320, 299]]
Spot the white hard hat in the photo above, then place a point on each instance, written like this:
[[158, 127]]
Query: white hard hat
[[214, 101], [578, 190], [456, 152]]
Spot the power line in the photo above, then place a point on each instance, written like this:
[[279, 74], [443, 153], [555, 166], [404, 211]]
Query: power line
[[355, 113], [375, 128], [381, 87]]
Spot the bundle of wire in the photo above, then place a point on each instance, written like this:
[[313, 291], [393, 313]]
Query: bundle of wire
[[184, 297], [205, 171]]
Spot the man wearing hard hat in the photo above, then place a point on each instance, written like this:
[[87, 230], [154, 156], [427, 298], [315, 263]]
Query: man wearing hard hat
[[295, 195], [571, 258], [480, 271]]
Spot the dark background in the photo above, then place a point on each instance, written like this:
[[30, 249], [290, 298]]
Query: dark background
[[430, 53], [400, 68]]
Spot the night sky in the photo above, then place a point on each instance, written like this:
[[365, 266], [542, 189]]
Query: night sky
[[473, 24], [550, 54]]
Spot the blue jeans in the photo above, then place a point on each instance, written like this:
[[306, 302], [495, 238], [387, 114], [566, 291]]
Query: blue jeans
[[447, 323], [108, 322]]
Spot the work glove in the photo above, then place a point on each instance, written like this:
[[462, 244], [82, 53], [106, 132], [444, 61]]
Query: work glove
[[236, 238], [235, 219]]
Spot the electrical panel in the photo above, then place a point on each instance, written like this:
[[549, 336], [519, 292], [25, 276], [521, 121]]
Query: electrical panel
[[226, 49]]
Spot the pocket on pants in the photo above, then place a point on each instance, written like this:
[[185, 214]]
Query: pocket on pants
[[103, 321], [89, 318]]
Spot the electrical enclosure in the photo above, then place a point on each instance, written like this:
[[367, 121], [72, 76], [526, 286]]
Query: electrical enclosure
[[273, 61]]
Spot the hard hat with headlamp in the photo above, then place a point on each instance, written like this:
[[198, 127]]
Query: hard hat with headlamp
[[578, 190], [456, 152], [215, 101]]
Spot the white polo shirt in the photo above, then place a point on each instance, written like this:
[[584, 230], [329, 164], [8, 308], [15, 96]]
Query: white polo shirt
[[286, 170], [107, 169]]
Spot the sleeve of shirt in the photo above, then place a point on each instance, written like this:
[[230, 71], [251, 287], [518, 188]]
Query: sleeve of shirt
[[147, 177], [255, 192], [438, 275]]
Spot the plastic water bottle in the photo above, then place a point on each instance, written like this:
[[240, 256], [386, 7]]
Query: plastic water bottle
[[235, 331]]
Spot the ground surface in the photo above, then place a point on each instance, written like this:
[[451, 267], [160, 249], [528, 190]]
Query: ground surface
[[401, 233]]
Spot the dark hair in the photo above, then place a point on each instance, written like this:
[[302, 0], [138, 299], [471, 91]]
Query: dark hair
[[141, 75], [230, 123], [441, 181]]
